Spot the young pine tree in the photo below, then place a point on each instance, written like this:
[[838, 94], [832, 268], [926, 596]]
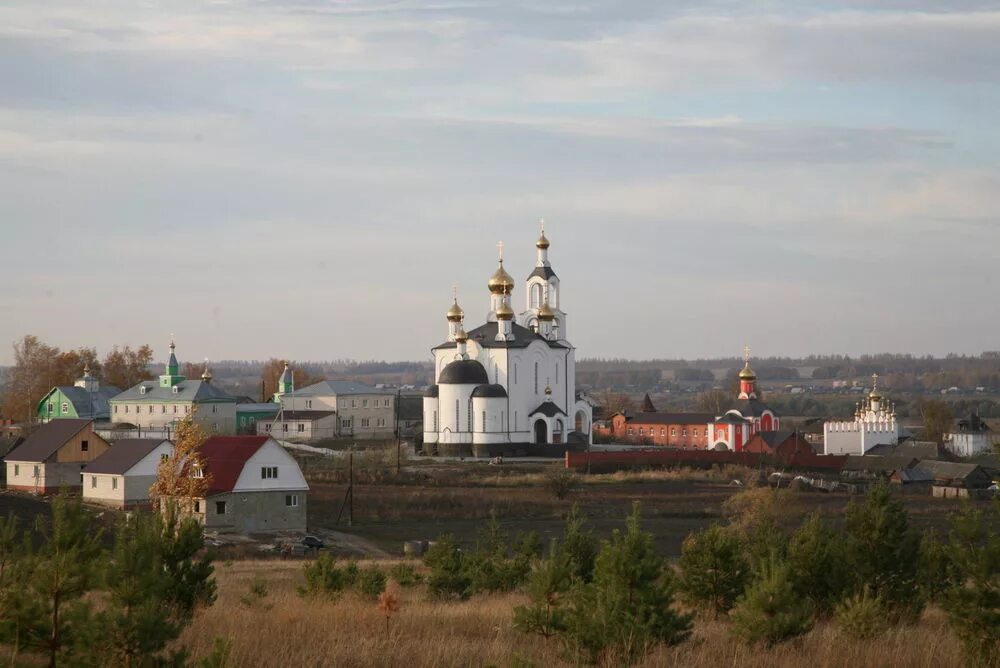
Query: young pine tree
[[547, 585], [578, 546], [187, 566], [21, 613], [448, 576], [713, 569], [973, 602], [884, 553], [64, 570], [770, 610], [817, 565], [137, 625], [628, 607]]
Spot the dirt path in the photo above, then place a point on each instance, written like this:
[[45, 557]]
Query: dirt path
[[352, 545]]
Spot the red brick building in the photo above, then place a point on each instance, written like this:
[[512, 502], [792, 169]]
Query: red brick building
[[679, 430]]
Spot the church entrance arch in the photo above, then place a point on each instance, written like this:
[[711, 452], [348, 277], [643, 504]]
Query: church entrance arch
[[557, 432], [541, 432], [581, 423], [765, 423]]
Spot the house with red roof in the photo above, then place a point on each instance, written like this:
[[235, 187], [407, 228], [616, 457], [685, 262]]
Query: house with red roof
[[254, 486]]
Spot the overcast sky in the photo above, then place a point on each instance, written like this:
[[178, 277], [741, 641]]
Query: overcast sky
[[309, 179]]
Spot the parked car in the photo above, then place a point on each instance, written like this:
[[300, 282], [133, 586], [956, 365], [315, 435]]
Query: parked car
[[313, 543]]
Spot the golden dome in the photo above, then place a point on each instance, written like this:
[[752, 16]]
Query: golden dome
[[542, 242], [747, 373], [455, 313], [545, 313], [501, 282], [461, 336], [874, 395], [505, 312]]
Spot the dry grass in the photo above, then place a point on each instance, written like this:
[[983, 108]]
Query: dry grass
[[287, 630]]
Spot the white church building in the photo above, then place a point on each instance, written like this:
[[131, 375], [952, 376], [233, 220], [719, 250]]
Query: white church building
[[874, 424], [508, 385]]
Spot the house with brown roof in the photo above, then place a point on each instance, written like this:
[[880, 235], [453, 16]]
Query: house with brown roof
[[53, 456], [784, 443], [254, 486], [122, 476]]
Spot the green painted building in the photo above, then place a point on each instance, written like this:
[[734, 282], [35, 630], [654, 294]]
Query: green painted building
[[84, 399]]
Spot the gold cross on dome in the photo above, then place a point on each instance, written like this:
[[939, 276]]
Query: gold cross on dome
[[454, 293], [746, 354], [541, 221], [500, 249], [874, 381]]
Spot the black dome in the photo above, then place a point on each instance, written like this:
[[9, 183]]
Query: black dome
[[431, 392], [490, 391], [464, 372]]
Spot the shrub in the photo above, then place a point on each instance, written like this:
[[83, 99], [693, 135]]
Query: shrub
[[561, 483], [405, 575], [770, 610], [370, 582], [862, 616], [257, 593], [324, 577], [713, 569]]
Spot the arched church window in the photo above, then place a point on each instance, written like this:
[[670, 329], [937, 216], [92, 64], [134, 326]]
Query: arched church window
[[470, 414], [458, 411], [536, 377], [484, 420]]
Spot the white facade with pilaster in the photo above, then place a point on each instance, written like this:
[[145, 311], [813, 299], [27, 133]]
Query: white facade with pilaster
[[513, 379]]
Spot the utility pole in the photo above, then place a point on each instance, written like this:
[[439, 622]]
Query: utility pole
[[349, 495], [396, 430]]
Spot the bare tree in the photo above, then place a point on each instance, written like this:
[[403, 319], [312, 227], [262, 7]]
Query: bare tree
[[126, 367]]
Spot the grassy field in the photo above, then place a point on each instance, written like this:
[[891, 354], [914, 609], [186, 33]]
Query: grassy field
[[283, 629]]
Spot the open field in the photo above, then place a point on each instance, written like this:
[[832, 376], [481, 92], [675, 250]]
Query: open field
[[286, 630], [429, 500]]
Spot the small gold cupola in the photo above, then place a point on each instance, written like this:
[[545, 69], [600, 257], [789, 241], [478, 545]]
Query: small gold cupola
[[543, 241], [455, 313]]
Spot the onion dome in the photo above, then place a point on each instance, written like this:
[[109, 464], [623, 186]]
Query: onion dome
[[747, 373], [464, 372], [501, 282], [431, 392], [206, 375], [461, 336], [546, 313], [543, 241], [455, 313], [505, 312], [492, 391]]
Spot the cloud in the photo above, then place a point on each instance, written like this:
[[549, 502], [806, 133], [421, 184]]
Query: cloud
[[334, 163]]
